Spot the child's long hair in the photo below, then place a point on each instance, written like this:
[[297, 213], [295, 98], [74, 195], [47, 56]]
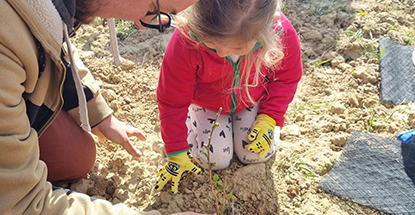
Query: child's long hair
[[237, 20]]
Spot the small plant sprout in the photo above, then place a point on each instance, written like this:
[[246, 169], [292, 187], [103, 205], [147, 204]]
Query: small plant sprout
[[381, 121], [323, 62], [298, 166], [327, 7], [411, 38], [218, 191], [372, 118], [371, 35], [309, 173], [353, 73], [359, 34], [381, 53], [391, 28]]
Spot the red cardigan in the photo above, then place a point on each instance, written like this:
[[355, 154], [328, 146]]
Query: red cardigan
[[193, 73]]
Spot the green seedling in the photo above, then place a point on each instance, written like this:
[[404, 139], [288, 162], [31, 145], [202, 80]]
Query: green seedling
[[327, 7], [309, 172], [299, 160], [391, 28], [109, 71], [353, 73], [162, 48], [323, 62], [359, 34], [298, 165], [381, 53], [304, 58], [373, 52], [300, 107], [382, 120], [124, 29], [372, 118], [385, 120], [209, 199], [315, 107], [371, 35], [411, 38], [218, 192]]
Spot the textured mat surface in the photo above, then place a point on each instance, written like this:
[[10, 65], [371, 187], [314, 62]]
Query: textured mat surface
[[397, 72], [376, 172]]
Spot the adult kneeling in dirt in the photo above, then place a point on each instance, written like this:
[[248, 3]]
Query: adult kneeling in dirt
[[41, 96]]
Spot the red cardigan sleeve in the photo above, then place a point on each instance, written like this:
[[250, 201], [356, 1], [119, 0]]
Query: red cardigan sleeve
[[175, 91], [284, 79]]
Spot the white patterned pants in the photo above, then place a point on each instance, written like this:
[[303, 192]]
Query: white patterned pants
[[230, 136]]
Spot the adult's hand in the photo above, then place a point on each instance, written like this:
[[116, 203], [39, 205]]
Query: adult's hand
[[118, 132]]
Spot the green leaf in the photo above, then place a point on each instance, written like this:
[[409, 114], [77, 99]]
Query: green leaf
[[209, 199], [323, 62], [219, 186], [215, 178], [310, 173], [229, 196], [206, 154], [381, 53]]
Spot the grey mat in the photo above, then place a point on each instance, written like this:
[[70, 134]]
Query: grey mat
[[375, 171], [397, 73]]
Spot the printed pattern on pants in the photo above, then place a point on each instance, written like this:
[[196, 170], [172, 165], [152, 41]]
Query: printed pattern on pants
[[231, 135]]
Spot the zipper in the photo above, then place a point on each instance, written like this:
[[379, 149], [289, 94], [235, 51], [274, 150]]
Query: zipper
[[57, 111], [235, 82]]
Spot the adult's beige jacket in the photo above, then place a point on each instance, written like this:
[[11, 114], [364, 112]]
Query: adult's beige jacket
[[23, 185]]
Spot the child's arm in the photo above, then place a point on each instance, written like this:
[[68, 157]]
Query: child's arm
[[175, 91], [174, 95], [284, 80]]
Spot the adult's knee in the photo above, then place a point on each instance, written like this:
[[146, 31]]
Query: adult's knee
[[68, 151]]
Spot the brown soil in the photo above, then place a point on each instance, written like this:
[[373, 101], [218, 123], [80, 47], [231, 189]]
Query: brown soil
[[339, 93]]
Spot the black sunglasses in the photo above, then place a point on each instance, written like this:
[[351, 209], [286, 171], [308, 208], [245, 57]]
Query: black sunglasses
[[161, 21]]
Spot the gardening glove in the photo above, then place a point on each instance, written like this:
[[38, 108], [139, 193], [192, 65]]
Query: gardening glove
[[173, 170], [261, 135]]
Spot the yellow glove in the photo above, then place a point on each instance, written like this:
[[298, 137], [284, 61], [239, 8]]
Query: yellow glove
[[261, 135], [173, 170]]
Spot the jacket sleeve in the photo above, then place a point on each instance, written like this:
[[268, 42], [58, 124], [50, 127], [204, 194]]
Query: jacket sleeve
[[284, 79], [23, 185], [175, 91], [98, 109]]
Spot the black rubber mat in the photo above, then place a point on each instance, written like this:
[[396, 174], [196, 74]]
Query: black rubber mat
[[397, 72], [375, 171]]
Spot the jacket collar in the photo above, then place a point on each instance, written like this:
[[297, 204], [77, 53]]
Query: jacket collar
[[66, 9]]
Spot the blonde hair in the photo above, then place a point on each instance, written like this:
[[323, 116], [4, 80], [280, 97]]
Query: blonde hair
[[219, 21]]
